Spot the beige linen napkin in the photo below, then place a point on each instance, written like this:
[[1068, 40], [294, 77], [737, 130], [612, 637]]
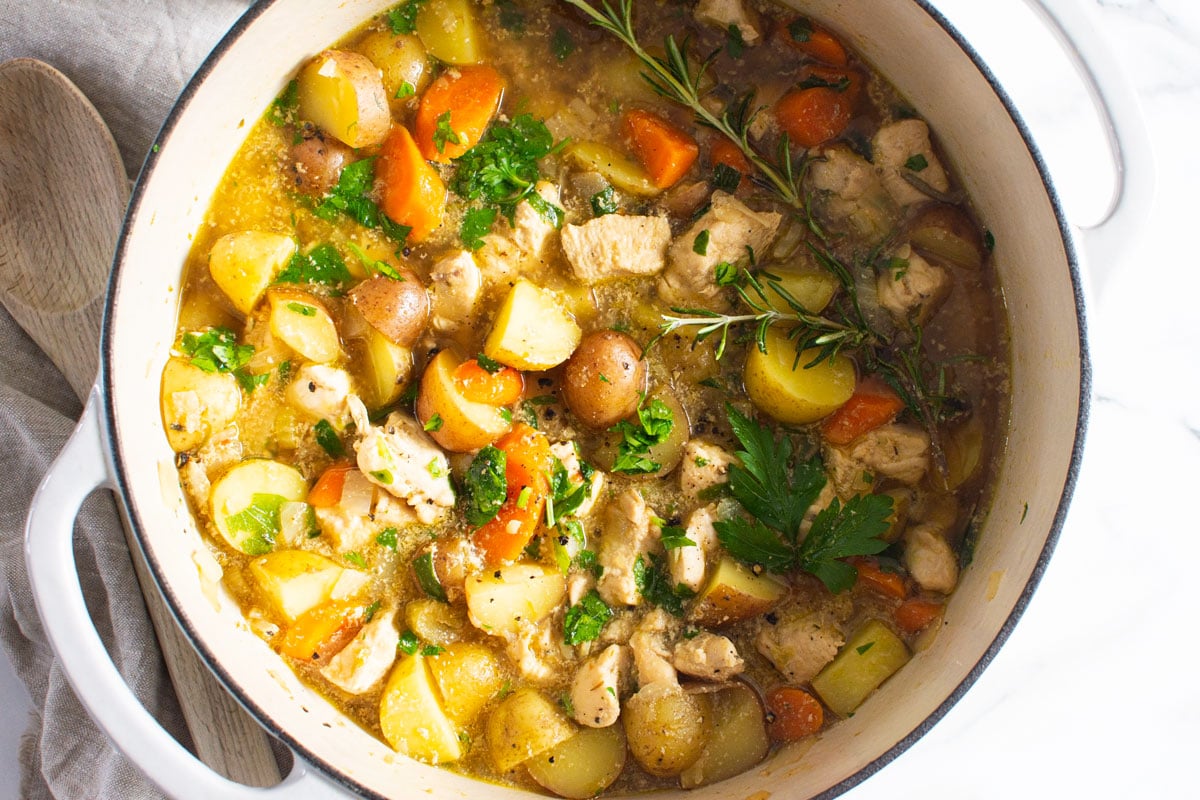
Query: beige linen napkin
[[131, 58]]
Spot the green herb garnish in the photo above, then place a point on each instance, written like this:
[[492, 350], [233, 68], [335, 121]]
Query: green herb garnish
[[328, 438], [403, 18], [584, 620], [323, 265], [259, 521], [604, 202], [476, 224], [655, 587], [654, 425], [916, 163], [485, 487]]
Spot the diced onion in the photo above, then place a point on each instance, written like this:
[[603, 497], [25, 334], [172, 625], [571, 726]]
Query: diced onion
[[357, 494]]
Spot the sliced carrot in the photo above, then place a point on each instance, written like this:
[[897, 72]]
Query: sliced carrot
[[726, 152], [318, 634], [505, 537], [815, 42], [470, 96], [873, 404], [412, 192], [814, 116], [498, 388], [916, 614], [870, 575], [528, 460], [666, 151], [792, 714], [527, 469], [327, 491]]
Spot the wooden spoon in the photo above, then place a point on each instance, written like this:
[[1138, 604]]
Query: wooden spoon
[[63, 192]]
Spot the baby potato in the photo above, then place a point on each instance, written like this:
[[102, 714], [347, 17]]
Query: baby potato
[[533, 330], [398, 309], [797, 396], [619, 169], [667, 453], [604, 378], [582, 766], [196, 404], [454, 422], [402, 60], [946, 232], [733, 594], [244, 264], [468, 676], [342, 94], [526, 724], [739, 739], [301, 321], [666, 728], [449, 32], [411, 717]]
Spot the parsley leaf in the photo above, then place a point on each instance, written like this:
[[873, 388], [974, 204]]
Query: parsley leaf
[[477, 223], [403, 18], [282, 110], [561, 43], [485, 486], [502, 168], [349, 197], [700, 243], [735, 45], [322, 265], [259, 521], [443, 134], [751, 542], [843, 531], [405, 89], [328, 438], [801, 29], [654, 425], [674, 537], [917, 163], [434, 424], [604, 202], [654, 585], [489, 365], [216, 350], [409, 643], [584, 620], [387, 538], [355, 558]]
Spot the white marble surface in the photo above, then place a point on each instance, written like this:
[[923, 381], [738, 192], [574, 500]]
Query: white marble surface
[[1095, 693]]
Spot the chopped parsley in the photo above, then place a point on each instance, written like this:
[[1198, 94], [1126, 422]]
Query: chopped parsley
[[434, 424], [654, 585], [916, 163], [485, 487], [443, 134], [435, 468], [476, 224], [989, 241], [654, 425], [726, 274], [323, 265], [510, 17], [427, 578], [350, 198], [700, 243], [409, 643], [777, 491], [406, 89], [524, 497], [489, 365], [282, 110], [329, 440], [584, 620], [674, 537], [403, 18], [502, 168], [565, 497], [725, 178], [735, 45], [387, 538], [800, 29], [547, 210], [861, 650], [604, 202], [217, 350], [898, 267], [561, 43], [370, 611], [355, 558], [259, 521], [303, 309]]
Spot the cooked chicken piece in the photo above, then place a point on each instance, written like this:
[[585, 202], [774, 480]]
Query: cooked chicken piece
[[596, 689], [911, 287], [895, 451], [688, 565], [454, 286], [366, 660], [627, 535], [733, 231], [616, 245], [568, 454], [723, 13], [454, 559], [320, 391], [928, 555], [512, 250], [847, 187], [651, 654], [538, 650], [904, 147], [222, 450], [402, 459], [704, 465], [801, 642], [578, 585], [708, 656]]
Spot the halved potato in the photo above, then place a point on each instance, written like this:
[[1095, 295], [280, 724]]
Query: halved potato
[[946, 232], [397, 308], [296, 581], [468, 675], [733, 594], [503, 600], [449, 32], [524, 725], [342, 94], [301, 321], [244, 264], [245, 503], [582, 766], [388, 367], [412, 718], [402, 60], [621, 171], [739, 738], [453, 421], [196, 404], [667, 728], [871, 656], [811, 287], [796, 396], [434, 621], [533, 330]]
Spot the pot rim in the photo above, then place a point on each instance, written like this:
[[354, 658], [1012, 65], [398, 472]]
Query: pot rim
[[332, 772]]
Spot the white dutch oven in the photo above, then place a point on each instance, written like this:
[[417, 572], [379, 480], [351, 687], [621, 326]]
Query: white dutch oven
[[119, 443]]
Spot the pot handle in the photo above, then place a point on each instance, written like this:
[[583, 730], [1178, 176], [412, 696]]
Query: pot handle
[[81, 468], [1112, 92]]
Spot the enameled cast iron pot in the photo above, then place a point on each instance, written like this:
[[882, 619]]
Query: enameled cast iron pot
[[120, 443]]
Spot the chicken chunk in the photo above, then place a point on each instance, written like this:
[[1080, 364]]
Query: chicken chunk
[[399, 457], [721, 14], [454, 286], [366, 660], [596, 689], [513, 250], [928, 556], [901, 148], [538, 650], [688, 565], [651, 654], [626, 536], [895, 451], [320, 391], [616, 245], [704, 465], [801, 643], [708, 656], [734, 231], [848, 187], [911, 287]]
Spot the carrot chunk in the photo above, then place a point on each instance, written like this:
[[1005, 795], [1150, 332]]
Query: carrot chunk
[[527, 471], [499, 388], [317, 634], [666, 151], [792, 714], [455, 111], [412, 191], [916, 614], [812, 117], [815, 42], [327, 491], [726, 152], [873, 404], [870, 575]]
